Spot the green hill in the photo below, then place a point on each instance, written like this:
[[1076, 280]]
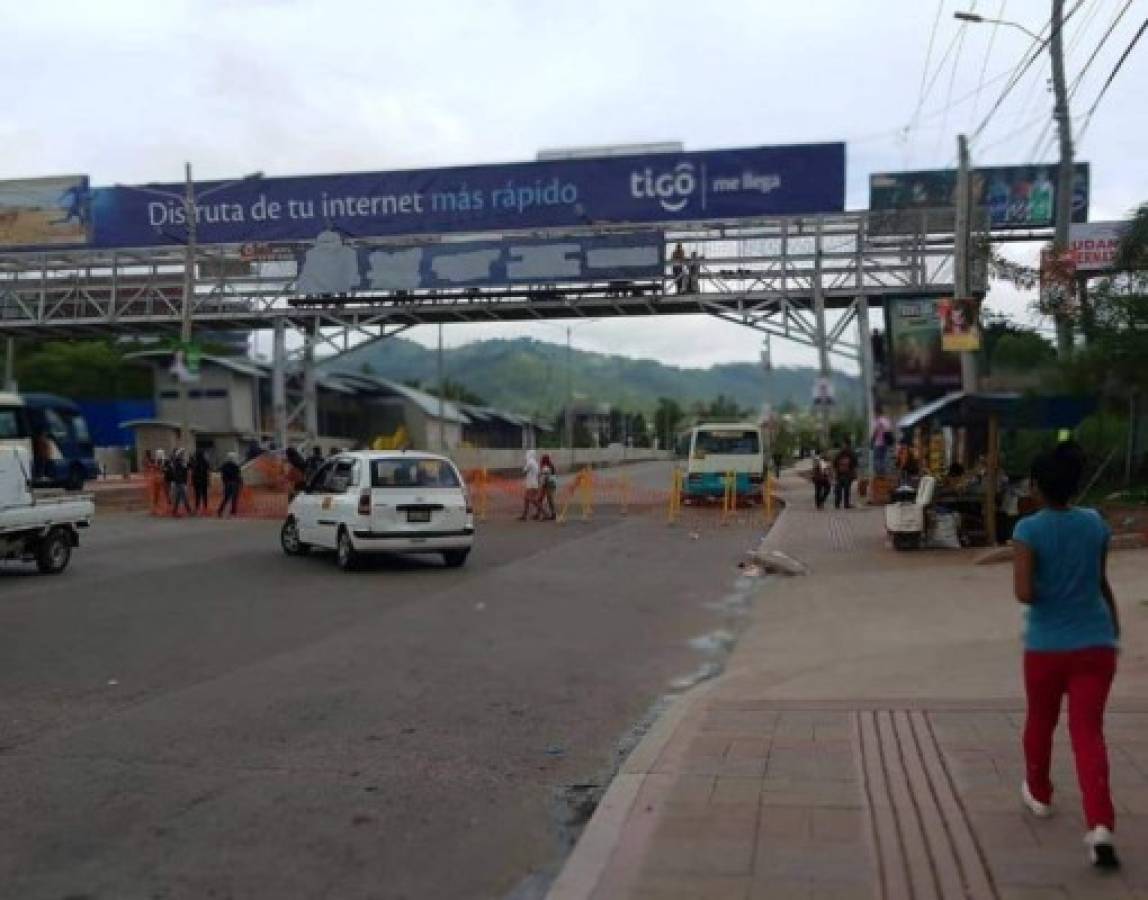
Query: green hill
[[530, 376]]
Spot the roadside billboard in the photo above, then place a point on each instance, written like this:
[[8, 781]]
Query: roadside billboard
[[919, 363], [1016, 197], [647, 188], [1094, 244], [332, 266], [45, 212]]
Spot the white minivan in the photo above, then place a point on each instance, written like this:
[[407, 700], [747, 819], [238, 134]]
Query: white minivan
[[718, 450], [382, 502]]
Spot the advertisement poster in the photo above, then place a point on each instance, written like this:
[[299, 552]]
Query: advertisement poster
[[571, 193], [1016, 197], [48, 212], [1094, 244], [920, 364], [960, 324]]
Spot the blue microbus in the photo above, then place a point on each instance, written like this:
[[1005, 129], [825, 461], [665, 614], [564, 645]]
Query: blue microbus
[[56, 436]]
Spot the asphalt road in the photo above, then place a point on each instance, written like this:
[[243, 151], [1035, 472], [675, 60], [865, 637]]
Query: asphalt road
[[188, 713]]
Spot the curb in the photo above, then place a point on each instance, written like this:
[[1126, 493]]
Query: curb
[[588, 861], [586, 864]]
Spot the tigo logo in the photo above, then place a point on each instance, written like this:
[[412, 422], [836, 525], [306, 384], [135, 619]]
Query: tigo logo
[[671, 189]]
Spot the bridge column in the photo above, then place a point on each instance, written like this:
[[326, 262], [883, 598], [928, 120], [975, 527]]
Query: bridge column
[[822, 334], [279, 382], [10, 364], [310, 387], [865, 346]]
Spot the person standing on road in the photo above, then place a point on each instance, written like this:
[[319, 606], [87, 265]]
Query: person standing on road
[[845, 468], [678, 267], [881, 440], [822, 483], [548, 477], [532, 473], [314, 461], [232, 477], [1060, 572], [200, 479], [178, 473]]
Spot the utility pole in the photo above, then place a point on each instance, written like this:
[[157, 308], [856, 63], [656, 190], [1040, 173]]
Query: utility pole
[[962, 228], [441, 397], [1064, 179]]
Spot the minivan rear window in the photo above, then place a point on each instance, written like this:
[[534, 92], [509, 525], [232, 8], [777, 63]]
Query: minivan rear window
[[9, 424], [728, 443], [406, 473], [79, 428]]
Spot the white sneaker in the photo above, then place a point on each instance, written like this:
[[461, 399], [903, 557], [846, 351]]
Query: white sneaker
[[1101, 848], [1038, 809]]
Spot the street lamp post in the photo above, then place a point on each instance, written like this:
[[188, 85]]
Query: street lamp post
[[188, 201], [1064, 179]]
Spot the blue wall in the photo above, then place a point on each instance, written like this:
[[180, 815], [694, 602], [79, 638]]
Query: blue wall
[[104, 417]]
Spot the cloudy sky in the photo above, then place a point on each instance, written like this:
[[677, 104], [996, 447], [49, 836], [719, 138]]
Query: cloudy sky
[[127, 90]]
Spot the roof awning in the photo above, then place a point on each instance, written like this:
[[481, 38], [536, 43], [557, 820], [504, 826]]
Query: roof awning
[[1041, 413]]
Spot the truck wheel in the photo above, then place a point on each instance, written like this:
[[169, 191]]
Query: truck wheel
[[289, 539], [455, 559], [54, 551], [345, 554]]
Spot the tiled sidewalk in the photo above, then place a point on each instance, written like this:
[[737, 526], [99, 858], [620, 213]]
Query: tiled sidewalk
[[752, 792]]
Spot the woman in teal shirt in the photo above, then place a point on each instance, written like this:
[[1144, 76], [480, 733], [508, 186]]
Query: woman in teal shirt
[[1060, 573]]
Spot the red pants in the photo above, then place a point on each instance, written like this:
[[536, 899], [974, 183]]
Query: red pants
[[1086, 676]]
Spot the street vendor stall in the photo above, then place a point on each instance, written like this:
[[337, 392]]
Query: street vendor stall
[[963, 432]]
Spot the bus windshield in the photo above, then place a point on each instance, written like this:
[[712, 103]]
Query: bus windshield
[[728, 443]]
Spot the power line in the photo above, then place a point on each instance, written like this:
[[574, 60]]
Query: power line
[[1103, 40], [1046, 138], [985, 61], [928, 57], [953, 74], [1026, 62], [1111, 77]]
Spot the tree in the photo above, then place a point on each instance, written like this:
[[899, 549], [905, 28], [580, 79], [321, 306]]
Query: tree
[[667, 419], [1132, 255], [452, 390], [639, 431], [1010, 347], [81, 370]]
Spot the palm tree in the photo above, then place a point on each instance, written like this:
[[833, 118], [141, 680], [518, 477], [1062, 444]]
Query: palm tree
[[1132, 255]]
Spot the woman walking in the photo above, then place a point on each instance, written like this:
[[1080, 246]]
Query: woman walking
[[548, 478], [531, 483], [1060, 573]]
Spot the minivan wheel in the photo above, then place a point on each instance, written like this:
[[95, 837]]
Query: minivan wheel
[[54, 551], [345, 554], [289, 539]]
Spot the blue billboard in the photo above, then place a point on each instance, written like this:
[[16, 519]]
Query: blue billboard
[[660, 187], [332, 266]]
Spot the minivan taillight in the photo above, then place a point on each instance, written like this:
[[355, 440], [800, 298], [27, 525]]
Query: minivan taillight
[[365, 503]]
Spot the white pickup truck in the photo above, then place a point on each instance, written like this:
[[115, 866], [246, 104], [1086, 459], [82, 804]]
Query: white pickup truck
[[35, 527]]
